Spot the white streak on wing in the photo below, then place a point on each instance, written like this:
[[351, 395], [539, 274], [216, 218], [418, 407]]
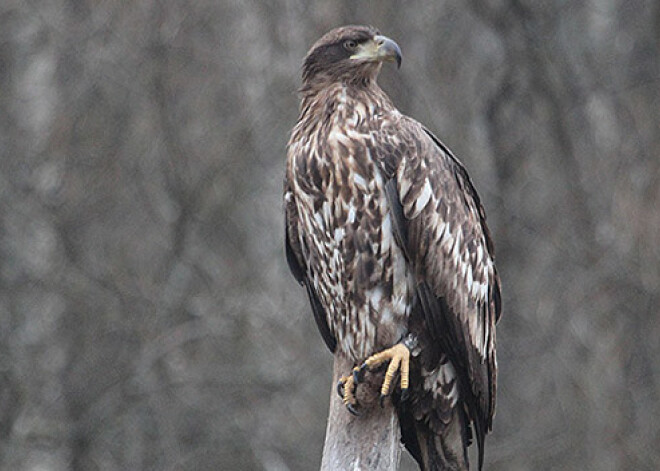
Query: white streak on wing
[[464, 267], [339, 235], [457, 245], [477, 333], [476, 289], [405, 185], [442, 227], [469, 279], [423, 198], [387, 233]]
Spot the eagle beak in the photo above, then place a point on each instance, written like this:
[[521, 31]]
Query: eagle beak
[[379, 49], [388, 50]]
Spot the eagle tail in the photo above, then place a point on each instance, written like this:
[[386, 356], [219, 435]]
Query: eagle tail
[[436, 446]]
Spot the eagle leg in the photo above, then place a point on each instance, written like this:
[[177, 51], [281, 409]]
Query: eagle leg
[[399, 358]]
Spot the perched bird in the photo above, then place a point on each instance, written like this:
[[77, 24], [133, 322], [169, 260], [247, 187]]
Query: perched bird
[[387, 234]]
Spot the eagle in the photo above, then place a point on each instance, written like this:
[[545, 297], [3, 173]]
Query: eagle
[[388, 236]]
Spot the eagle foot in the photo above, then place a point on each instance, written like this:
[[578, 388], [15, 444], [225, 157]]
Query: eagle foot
[[399, 358]]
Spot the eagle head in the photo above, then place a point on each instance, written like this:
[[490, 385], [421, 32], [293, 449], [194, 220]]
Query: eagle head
[[349, 54]]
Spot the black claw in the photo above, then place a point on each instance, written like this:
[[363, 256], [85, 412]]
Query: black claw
[[404, 394], [357, 377], [382, 401], [351, 408], [363, 370], [340, 389]]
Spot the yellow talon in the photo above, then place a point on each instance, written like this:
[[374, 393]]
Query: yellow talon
[[399, 358], [346, 389], [398, 355]]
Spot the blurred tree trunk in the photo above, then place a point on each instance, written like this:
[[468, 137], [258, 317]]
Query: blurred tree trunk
[[369, 441]]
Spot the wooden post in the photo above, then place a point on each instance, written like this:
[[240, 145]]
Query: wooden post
[[371, 441]]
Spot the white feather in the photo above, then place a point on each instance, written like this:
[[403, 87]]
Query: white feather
[[375, 295], [469, 280], [457, 245], [423, 198], [318, 217], [442, 226], [387, 233], [404, 187], [351, 213], [360, 181]]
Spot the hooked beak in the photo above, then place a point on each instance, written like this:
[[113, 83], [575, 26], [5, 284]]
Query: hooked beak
[[379, 49]]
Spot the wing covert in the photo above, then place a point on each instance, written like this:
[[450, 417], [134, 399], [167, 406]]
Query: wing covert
[[440, 223]]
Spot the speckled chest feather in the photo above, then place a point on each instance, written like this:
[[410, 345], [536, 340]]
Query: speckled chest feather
[[355, 265]]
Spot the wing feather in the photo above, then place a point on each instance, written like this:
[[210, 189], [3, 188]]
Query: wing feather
[[441, 225], [294, 258]]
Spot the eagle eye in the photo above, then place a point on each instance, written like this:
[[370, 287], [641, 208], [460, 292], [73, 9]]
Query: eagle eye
[[350, 45]]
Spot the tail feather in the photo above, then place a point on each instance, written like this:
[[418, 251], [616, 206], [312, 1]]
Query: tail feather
[[437, 446]]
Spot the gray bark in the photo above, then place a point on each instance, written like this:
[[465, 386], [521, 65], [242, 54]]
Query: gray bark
[[370, 441]]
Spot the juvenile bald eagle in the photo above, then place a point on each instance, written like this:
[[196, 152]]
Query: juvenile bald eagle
[[386, 232]]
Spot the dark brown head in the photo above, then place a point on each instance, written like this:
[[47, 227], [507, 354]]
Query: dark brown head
[[350, 54]]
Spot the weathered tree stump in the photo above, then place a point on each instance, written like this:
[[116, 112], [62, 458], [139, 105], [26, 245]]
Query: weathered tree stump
[[370, 441]]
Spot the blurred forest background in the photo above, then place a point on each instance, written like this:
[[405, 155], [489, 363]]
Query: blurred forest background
[[147, 317]]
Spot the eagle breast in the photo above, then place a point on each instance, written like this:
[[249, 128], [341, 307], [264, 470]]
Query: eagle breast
[[356, 267]]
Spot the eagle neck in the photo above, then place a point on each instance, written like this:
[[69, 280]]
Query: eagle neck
[[320, 104]]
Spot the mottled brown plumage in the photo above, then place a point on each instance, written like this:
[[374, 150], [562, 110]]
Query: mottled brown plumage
[[387, 234]]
